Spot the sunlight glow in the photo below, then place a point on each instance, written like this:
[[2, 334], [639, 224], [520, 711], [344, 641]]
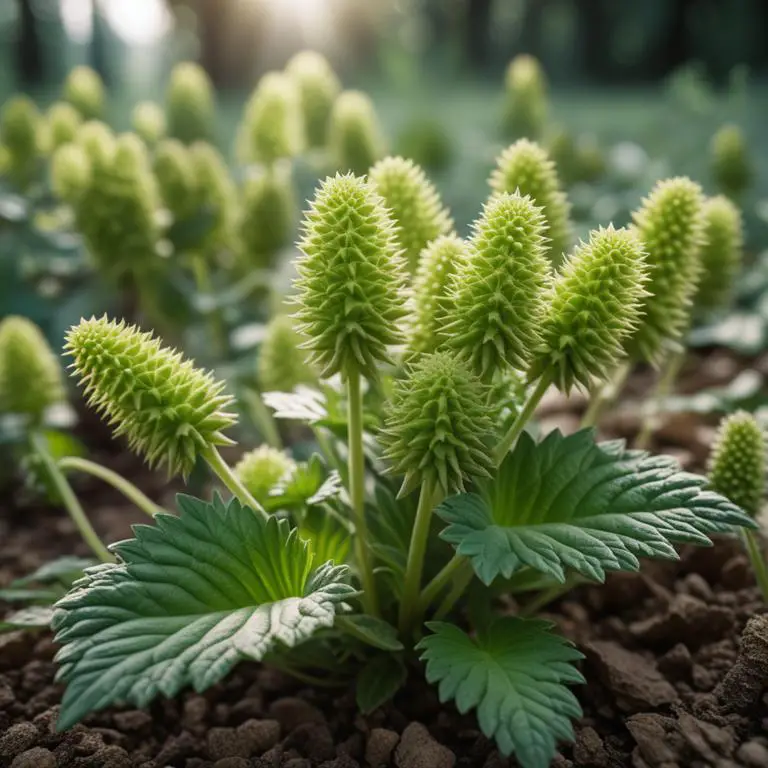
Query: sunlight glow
[[310, 19], [138, 22], [77, 19]]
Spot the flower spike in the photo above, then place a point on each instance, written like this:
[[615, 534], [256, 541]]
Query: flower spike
[[282, 365], [261, 469], [84, 90], [526, 98], [189, 104], [354, 137], [732, 167]]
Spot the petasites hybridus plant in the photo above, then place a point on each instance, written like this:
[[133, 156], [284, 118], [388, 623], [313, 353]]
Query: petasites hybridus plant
[[413, 203], [189, 104], [525, 102], [354, 136], [732, 167], [84, 90]]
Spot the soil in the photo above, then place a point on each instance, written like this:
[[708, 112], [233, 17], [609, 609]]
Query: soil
[[676, 659]]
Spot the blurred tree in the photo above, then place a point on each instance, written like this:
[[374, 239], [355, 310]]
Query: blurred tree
[[29, 54]]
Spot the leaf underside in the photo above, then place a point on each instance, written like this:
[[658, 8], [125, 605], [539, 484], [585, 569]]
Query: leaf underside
[[189, 597], [515, 676], [568, 502]]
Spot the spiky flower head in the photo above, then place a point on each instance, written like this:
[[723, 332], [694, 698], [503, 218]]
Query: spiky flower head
[[721, 252], [351, 279], [176, 178], [525, 167], [594, 306], [497, 299], [354, 135], [439, 427], [30, 374], [70, 173], [282, 364], [84, 90], [737, 463], [318, 87], [98, 141], [732, 167], [669, 225], [170, 411], [525, 107], [148, 120], [262, 469], [413, 204], [63, 122], [20, 124], [189, 104], [438, 264], [272, 126]]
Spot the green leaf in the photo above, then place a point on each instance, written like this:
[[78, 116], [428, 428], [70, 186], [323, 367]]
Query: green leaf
[[329, 536], [381, 678], [375, 632], [189, 597], [568, 502], [515, 675], [64, 569], [305, 404], [37, 617]]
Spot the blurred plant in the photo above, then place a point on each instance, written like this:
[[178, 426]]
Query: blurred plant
[[62, 124], [354, 136], [189, 104], [525, 94], [148, 120], [70, 173], [732, 166], [84, 90], [282, 365], [262, 469], [176, 179], [578, 159], [426, 141], [20, 126]]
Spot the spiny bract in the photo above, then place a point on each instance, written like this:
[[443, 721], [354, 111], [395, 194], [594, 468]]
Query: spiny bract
[[351, 279], [169, 410], [737, 464], [669, 225], [721, 253], [354, 138], [62, 121], [525, 167], [525, 109], [439, 427], [261, 469], [148, 120], [84, 90], [176, 179], [595, 304], [189, 106], [438, 263], [70, 173], [30, 375], [731, 164], [497, 299], [282, 364], [413, 203]]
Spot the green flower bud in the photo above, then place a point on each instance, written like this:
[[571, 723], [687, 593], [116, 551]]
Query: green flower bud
[[189, 104], [63, 123], [70, 173], [98, 141], [84, 90], [262, 469], [595, 305], [282, 364], [669, 225], [20, 124], [318, 88], [732, 166], [272, 125], [737, 464], [438, 264], [439, 427], [525, 109], [148, 120], [30, 375], [413, 203], [721, 252], [351, 279], [169, 411], [526, 168], [219, 195], [353, 134], [176, 179], [498, 298]]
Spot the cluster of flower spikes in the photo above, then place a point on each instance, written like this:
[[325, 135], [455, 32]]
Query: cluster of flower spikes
[[669, 225], [97, 140], [737, 465], [354, 137], [70, 172], [282, 364], [62, 122], [148, 121], [721, 253], [525, 167], [30, 374], [20, 125], [732, 167], [263, 468], [439, 428], [497, 298], [318, 88], [272, 126], [176, 179], [351, 279], [525, 107], [594, 306], [413, 203], [84, 90], [189, 104], [169, 410]]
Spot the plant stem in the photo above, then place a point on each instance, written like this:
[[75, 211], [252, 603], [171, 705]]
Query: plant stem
[[606, 394], [215, 318], [548, 595], [128, 489], [261, 417], [68, 498], [663, 389], [523, 418], [757, 560], [305, 677], [231, 480], [461, 582], [409, 602], [441, 581], [357, 490]]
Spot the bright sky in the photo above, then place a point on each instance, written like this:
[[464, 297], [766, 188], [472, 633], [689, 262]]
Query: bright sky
[[137, 22]]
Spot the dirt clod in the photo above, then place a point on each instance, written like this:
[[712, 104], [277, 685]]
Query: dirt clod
[[381, 744], [417, 749], [745, 681], [17, 739], [37, 757]]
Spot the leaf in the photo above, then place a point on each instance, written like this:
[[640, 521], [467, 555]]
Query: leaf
[[515, 675], [189, 597], [375, 632], [30, 595], [304, 404], [381, 678], [329, 537], [65, 569], [568, 502], [37, 617]]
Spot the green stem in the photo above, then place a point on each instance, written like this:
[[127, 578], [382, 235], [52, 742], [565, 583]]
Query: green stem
[[357, 490], [231, 480], [606, 394], [757, 559], [261, 417], [460, 584], [215, 318], [68, 498], [305, 677], [441, 581], [523, 418], [663, 389], [548, 595], [128, 489]]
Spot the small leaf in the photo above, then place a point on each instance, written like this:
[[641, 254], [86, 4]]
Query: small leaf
[[37, 617], [376, 632], [515, 675], [35, 596], [65, 569], [380, 679], [304, 404], [568, 502], [189, 597]]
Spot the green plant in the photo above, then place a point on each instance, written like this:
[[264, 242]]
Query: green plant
[[84, 90], [63, 122], [262, 469], [354, 137], [282, 365], [732, 167], [427, 142], [525, 103], [189, 104], [148, 120], [20, 126], [70, 172]]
